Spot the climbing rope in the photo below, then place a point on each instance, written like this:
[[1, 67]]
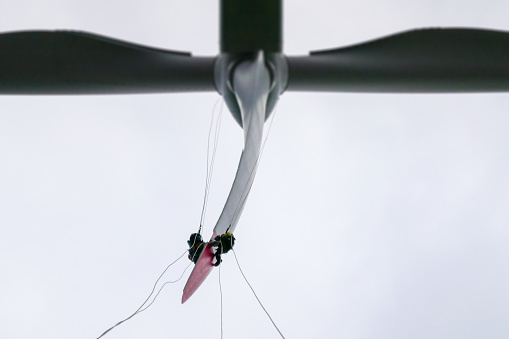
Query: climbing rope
[[221, 296], [168, 282], [141, 309], [211, 159], [268, 315]]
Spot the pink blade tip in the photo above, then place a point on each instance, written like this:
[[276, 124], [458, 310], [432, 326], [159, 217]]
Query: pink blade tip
[[200, 272]]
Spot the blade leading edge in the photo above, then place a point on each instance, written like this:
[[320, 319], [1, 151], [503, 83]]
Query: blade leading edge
[[418, 61], [66, 62]]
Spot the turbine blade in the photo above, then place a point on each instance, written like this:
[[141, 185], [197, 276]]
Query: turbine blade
[[66, 62], [418, 61]]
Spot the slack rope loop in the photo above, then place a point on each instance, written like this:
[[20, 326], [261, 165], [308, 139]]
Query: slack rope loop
[[168, 282], [141, 309], [268, 315]]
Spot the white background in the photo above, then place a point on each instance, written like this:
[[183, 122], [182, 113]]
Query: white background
[[372, 216]]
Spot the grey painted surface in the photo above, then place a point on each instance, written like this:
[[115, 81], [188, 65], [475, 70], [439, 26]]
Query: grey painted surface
[[251, 81]]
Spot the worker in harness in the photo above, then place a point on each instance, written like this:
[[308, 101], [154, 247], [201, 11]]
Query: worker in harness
[[224, 244], [196, 246]]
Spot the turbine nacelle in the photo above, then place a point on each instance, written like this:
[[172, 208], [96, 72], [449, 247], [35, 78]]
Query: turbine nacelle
[[224, 72]]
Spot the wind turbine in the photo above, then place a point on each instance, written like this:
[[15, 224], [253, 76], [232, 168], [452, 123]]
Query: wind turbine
[[251, 72]]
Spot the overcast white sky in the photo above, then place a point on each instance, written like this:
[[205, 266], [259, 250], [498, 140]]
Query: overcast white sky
[[372, 216]]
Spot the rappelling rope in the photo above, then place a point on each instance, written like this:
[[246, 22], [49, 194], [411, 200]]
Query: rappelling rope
[[211, 160], [221, 295], [241, 202], [168, 282], [268, 315], [141, 309]]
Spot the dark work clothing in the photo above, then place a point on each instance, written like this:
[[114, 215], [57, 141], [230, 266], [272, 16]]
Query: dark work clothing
[[196, 246], [224, 244], [195, 251]]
